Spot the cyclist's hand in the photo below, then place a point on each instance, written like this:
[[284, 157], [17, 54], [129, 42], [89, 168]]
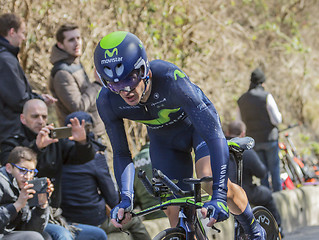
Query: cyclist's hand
[[217, 211], [121, 213]]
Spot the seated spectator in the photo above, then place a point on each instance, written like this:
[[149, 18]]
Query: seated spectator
[[93, 180], [17, 219], [52, 154], [252, 166]]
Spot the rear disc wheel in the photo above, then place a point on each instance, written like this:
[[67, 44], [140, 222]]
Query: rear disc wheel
[[171, 234], [268, 222]]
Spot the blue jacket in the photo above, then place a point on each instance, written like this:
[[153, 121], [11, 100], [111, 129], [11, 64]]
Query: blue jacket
[[86, 188]]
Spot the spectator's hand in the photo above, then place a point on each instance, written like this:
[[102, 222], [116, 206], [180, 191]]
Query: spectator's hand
[[25, 194], [78, 130], [121, 215], [50, 188], [217, 211], [48, 99], [43, 138]]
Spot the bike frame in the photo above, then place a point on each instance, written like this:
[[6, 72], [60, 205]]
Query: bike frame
[[188, 218]]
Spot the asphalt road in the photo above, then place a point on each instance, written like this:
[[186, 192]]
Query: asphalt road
[[304, 233]]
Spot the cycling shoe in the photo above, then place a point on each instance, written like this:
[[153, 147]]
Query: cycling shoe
[[259, 233]]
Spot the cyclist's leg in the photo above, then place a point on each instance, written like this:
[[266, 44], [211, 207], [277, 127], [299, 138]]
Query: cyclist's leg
[[172, 156], [236, 197], [262, 196]]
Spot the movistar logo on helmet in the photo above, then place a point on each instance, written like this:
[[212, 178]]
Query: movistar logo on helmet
[[110, 43], [162, 117], [179, 73], [111, 60], [110, 54]]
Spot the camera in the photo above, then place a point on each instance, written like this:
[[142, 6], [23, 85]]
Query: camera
[[61, 132], [40, 185]]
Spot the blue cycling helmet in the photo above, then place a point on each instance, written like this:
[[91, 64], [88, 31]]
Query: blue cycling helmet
[[116, 56]]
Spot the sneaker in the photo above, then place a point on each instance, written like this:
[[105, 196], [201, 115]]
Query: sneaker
[[260, 233]]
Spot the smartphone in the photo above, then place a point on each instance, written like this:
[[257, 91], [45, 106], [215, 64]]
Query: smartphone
[[40, 185], [61, 132]]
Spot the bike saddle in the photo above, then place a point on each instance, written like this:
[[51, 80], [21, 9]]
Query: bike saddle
[[244, 143]]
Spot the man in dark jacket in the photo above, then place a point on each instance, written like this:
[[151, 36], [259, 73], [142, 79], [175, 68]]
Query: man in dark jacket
[[17, 219], [69, 82], [252, 166], [260, 113], [52, 153], [15, 90]]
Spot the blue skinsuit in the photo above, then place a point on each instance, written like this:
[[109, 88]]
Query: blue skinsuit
[[179, 117]]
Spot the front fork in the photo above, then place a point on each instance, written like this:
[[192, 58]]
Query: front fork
[[193, 231]]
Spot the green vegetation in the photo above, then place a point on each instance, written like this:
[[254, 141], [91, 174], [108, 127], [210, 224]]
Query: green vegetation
[[217, 43]]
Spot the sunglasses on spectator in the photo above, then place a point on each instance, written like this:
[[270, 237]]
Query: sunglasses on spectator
[[24, 171]]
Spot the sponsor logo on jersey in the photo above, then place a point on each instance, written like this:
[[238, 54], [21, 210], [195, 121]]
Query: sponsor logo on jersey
[[162, 117], [129, 107], [159, 102], [158, 125], [178, 73]]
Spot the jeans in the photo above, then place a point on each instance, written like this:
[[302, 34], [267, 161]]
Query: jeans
[[268, 153], [87, 232], [27, 235]]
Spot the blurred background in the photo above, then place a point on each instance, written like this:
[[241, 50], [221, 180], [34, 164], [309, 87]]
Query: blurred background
[[218, 43]]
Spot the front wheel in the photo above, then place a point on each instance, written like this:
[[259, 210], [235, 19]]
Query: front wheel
[[171, 234], [268, 222]]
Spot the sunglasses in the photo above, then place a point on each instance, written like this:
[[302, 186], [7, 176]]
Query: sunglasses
[[24, 171], [128, 84]]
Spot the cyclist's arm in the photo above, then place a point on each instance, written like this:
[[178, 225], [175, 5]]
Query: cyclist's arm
[[123, 164], [206, 121]]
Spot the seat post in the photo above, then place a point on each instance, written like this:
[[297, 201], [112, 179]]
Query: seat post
[[238, 156], [197, 192]]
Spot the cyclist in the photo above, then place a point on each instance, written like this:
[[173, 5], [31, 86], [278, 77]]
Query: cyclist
[[178, 116]]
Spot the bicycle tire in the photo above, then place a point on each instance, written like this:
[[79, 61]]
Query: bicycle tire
[[171, 234], [268, 222]]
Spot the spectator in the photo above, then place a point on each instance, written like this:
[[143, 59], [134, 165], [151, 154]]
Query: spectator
[[52, 154], [260, 113], [15, 90], [69, 82], [93, 180], [252, 166], [17, 219], [142, 198]]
